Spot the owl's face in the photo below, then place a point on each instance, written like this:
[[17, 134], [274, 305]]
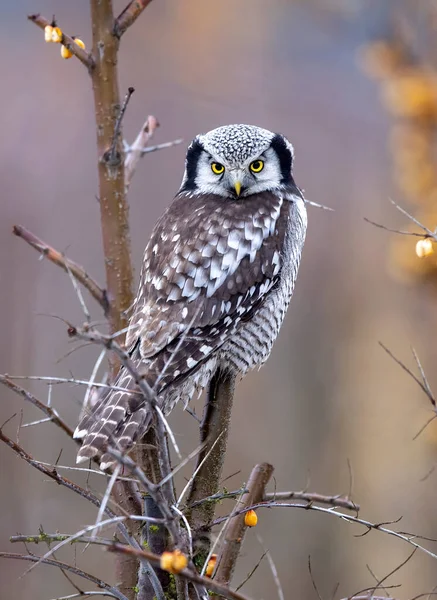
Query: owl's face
[[237, 161]]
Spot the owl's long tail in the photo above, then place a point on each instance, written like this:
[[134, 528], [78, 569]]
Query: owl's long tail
[[117, 421]]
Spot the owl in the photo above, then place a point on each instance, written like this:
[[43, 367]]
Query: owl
[[216, 280]]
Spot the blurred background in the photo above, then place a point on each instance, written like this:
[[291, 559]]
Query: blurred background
[[351, 83]]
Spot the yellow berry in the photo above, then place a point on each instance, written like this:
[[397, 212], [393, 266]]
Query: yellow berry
[[180, 561], [65, 52], [173, 562], [48, 30], [79, 43], [250, 518], [424, 248], [166, 561], [211, 565], [56, 35]]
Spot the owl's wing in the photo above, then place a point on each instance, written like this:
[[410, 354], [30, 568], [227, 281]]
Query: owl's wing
[[209, 262]]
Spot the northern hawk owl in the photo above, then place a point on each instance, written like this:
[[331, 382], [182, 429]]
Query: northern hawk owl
[[216, 280]]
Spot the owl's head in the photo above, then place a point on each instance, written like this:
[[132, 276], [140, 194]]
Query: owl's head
[[237, 161]]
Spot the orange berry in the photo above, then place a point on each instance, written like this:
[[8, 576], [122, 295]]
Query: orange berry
[[173, 562], [79, 43], [65, 52], [211, 565], [166, 561], [48, 30], [424, 248], [56, 35], [250, 518]]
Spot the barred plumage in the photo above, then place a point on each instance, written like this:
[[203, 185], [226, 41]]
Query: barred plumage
[[217, 276]]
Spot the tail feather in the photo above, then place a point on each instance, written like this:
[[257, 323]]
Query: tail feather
[[111, 423]]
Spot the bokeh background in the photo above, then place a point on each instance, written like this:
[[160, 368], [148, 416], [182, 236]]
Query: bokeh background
[[329, 393]]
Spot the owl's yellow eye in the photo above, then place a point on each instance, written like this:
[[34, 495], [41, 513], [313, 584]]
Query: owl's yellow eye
[[257, 166], [217, 168]]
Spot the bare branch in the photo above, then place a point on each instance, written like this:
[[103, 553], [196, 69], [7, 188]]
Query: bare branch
[[129, 15], [112, 200], [406, 537], [431, 234], [112, 157], [47, 410], [339, 501], [65, 567], [59, 259], [398, 231], [215, 423], [423, 385], [67, 41], [136, 150], [236, 528], [162, 146]]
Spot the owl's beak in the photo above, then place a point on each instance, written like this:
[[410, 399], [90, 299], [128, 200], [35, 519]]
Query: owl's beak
[[237, 186]]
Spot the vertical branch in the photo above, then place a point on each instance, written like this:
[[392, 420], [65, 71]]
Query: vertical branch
[[236, 528], [113, 204], [114, 214], [214, 436], [154, 537]]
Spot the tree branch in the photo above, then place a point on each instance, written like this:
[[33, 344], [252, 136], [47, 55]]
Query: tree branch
[[66, 567], [192, 576], [65, 263], [47, 410], [235, 527], [214, 436], [67, 41], [128, 16], [339, 501], [114, 210], [136, 150]]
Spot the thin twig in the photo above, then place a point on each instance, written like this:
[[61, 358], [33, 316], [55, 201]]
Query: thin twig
[[406, 537], [398, 231], [47, 410], [128, 16], [275, 574], [162, 146], [133, 155], [65, 263], [85, 594], [431, 234], [251, 572], [67, 41], [339, 501], [424, 387], [112, 158], [65, 567]]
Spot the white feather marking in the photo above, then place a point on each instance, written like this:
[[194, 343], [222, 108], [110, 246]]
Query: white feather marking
[[184, 312], [205, 349], [234, 239], [79, 433], [215, 269], [191, 362], [201, 278], [174, 294]]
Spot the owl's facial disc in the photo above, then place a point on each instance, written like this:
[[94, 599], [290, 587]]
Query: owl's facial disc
[[237, 161]]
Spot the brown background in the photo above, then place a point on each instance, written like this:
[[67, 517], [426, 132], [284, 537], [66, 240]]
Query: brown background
[[329, 393]]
